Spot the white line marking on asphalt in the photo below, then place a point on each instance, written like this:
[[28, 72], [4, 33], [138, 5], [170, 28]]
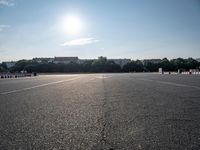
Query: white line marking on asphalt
[[37, 78], [103, 77], [92, 79], [171, 83], [37, 86]]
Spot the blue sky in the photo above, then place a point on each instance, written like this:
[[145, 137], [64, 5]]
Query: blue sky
[[135, 29]]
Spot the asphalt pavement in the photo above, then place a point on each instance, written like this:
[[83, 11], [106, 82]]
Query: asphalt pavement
[[133, 111]]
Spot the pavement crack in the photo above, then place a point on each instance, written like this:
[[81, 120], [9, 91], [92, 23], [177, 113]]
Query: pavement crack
[[104, 143]]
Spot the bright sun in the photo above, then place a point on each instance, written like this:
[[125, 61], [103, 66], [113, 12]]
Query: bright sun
[[72, 25]]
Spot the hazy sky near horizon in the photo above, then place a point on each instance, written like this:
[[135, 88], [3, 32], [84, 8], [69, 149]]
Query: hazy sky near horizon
[[135, 29]]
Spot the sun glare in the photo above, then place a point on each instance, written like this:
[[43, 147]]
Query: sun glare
[[72, 25]]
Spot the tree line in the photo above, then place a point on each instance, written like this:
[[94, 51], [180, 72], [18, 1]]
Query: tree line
[[102, 64]]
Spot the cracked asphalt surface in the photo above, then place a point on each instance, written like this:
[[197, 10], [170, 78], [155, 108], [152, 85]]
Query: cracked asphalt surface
[[138, 111]]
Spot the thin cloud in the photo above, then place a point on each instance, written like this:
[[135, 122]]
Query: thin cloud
[[78, 42], [3, 26], [7, 2]]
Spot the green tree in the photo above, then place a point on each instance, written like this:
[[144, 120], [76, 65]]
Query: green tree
[[134, 66]]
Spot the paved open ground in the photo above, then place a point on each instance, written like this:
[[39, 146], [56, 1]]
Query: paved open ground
[[100, 111]]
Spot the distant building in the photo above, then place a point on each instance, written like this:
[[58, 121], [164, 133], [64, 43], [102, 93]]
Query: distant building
[[198, 59], [121, 62], [65, 60], [81, 61], [50, 60], [155, 61], [9, 64], [42, 60]]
